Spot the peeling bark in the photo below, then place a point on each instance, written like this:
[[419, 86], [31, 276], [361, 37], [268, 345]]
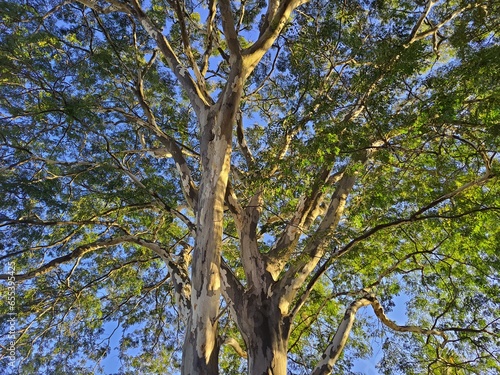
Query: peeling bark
[[200, 347], [200, 351]]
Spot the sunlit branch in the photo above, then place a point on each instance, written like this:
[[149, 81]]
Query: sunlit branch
[[114, 7], [379, 312], [209, 38], [278, 14], [283, 247], [413, 218], [423, 16], [334, 350], [229, 28], [236, 346], [197, 94], [416, 216], [415, 36], [315, 248]]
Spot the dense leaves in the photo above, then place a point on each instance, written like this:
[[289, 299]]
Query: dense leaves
[[401, 98]]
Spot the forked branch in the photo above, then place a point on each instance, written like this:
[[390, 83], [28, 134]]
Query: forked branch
[[337, 345]]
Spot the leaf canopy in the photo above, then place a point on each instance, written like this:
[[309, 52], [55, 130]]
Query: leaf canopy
[[403, 96]]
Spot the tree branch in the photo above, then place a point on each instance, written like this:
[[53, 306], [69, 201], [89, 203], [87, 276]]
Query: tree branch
[[379, 312], [284, 246], [314, 249], [236, 346], [229, 28], [197, 95], [180, 11], [79, 252], [333, 351], [209, 38], [188, 187], [278, 13], [179, 274], [416, 216]]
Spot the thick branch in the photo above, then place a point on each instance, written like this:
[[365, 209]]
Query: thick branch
[[333, 351], [379, 312], [314, 250], [180, 12], [236, 346], [284, 246], [278, 13], [196, 94], [209, 38], [229, 28], [253, 261]]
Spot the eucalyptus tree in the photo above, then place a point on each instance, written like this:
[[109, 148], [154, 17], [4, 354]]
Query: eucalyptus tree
[[220, 186]]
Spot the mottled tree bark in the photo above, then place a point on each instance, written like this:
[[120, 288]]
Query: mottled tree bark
[[266, 332], [200, 352]]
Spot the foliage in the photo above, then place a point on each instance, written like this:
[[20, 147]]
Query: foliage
[[406, 104]]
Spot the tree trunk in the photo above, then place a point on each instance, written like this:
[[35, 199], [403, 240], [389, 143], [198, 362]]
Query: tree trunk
[[200, 351], [266, 334]]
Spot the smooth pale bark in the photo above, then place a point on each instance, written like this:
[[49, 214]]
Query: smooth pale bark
[[332, 353], [200, 352]]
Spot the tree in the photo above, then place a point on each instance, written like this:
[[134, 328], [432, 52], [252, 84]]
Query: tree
[[234, 181]]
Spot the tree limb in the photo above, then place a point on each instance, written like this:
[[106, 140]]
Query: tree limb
[[229, 28], [278, 14], [196, 94], [188, 187], [379, 312], [236, 346], [334, 350], [79, 252], [180, 11], [179, 274]]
